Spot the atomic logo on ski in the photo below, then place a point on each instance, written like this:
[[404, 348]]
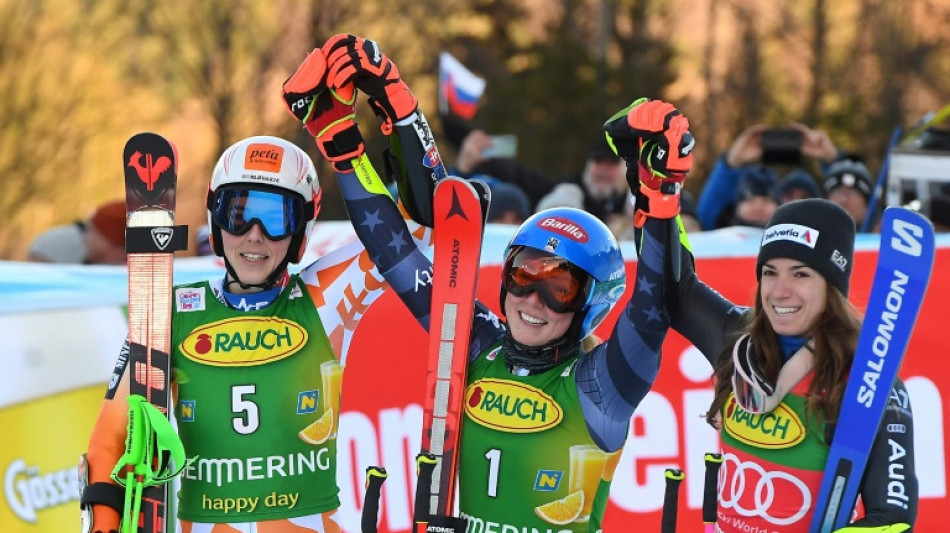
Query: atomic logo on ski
[[456, 208]]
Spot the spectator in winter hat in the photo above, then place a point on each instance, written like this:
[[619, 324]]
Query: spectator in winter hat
[[509, 204], [562, 195], [602, 182], [60, 244], [105, 234], [848, 183], [798, 185], [100, 239], [756, 198]]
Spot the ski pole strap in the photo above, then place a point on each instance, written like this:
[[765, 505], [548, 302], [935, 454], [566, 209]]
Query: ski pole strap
[[671, 499], [103, 493], [710, 490], [425, 464], [154, 454], [375, 477], [156, 240]]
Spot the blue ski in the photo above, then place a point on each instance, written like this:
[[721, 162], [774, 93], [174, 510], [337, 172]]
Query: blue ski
[[903, 271]]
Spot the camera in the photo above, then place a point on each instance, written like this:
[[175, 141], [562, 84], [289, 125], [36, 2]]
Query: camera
[[782, 146]]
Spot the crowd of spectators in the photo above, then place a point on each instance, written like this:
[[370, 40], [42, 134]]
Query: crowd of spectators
[[744, 188]]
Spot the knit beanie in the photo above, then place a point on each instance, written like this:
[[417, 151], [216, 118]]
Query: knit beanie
[[61, 244], [817, 232], [110, 219], [508, 197], [798, 179], [849, 173], [758, 181]]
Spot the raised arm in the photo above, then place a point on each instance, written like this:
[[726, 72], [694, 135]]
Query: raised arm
[[326, 106], [322, 94], [616, 375]]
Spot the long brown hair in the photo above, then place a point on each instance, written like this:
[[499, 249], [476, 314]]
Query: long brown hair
[[835, 338]]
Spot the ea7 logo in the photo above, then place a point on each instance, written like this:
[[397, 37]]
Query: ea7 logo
[[907, 238]]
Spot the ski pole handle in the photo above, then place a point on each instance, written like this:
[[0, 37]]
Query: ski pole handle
[[673, 248], [425, 464], [671, 499], [375, 477], [710, 491]]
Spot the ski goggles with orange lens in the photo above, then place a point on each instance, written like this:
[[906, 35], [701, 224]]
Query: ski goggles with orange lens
[[758, 394], [562, 286], [278, 215]]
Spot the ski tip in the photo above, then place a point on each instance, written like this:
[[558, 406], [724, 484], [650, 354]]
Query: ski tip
[[908, 232], [150, 164], [456, 196]]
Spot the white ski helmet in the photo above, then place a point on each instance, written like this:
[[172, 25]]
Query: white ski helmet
[[273, 165]]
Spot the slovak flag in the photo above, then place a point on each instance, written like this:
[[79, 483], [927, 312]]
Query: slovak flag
[[459, 89]]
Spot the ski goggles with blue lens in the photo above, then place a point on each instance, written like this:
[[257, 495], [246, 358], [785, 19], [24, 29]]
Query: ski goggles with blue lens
[[758, 394], [278, 215], [562, 286]]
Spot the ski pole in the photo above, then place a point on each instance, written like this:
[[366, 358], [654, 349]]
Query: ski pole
[[929, 120], [671, 499], [881, 179], [135, 457], [425, 464], [710, 491], [375, 477], [154, 454]]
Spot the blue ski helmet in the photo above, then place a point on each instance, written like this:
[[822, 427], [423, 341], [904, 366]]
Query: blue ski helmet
[[584, 241]]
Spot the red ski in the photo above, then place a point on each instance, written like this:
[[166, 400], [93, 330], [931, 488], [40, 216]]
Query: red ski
[[457, 232]]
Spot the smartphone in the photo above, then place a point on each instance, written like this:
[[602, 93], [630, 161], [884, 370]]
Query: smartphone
[[502, 146], [782, 146]]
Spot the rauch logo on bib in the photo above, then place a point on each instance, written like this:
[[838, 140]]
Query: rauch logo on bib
[[780, 428], [511, 406], [245, 341]]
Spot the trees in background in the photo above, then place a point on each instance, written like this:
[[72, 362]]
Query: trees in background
[[78, 77]]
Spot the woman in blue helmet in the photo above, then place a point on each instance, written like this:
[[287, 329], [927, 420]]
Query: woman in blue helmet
[[571, 394]]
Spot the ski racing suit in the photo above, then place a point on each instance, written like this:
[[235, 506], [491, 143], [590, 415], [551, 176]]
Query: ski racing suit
[[773, 463], [256, 386], [504, 475]]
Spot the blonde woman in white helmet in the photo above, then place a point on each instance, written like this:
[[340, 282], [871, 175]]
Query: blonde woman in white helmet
[[257, 360]]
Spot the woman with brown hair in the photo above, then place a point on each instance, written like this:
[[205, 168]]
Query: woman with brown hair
[[780, 371]]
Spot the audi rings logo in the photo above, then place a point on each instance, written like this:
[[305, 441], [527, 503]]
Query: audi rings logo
[[751, 491]]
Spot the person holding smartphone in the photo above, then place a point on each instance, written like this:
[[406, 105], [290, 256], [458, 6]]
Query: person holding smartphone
[[758, 145], [602, 183]]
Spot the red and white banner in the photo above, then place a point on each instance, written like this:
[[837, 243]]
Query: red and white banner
[[384, 381]]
